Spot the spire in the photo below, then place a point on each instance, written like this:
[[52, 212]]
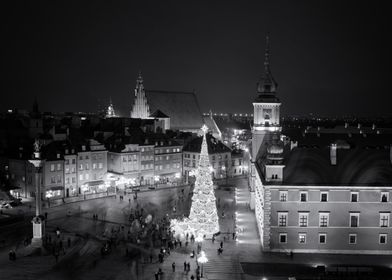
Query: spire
[[139, 81], [267, 84], [266, 55], [140, 108]]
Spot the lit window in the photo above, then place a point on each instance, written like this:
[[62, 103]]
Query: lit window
[[87, 176], [324, 197], [282, 237], [100, 165], [303, 219], [94, 166], [384, 197], [282, 219], [383, 238], [80, 177], [352, 238], [384, 219], [87, 167], [52, 167], [354, 219], [302, 238], [322, 238], [354, 197], [303, 196], [323, 219], [283, 196]]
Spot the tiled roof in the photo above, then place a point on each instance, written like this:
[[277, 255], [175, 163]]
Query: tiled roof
[[357, 166], [181, 107], [159, 114]]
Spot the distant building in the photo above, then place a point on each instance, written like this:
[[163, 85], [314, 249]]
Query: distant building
[[219, 153], [140, 108], [181, 107], [110, 113], [320, 191]]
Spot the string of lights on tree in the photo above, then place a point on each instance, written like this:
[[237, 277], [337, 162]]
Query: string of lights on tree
[[203, 218]]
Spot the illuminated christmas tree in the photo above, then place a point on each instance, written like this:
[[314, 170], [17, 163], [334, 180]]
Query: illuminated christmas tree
[[203, 218]]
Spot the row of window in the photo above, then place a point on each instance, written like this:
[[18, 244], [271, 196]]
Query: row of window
[[87, 166], [129, 158], [167, 166], [53, 167], [171, 150], [303, 219], [55, 179], [87, 177], [70, 170], [213, 158], [303, 196], [147, 166], [67, 180], [150, 157], [322, 238], [73, 161]]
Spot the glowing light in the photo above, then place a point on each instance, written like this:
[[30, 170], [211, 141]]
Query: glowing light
[[202, 258], [177, 175], [203, 218], [156, 178]]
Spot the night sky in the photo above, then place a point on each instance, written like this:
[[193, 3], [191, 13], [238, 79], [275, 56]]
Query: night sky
[[328, 57]]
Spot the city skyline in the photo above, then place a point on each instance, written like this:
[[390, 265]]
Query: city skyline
[[328, 58]]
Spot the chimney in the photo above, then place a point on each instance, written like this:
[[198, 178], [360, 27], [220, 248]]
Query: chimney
[[346, 125], [83, 147], [333, 154], [58, 155], [66, 151]]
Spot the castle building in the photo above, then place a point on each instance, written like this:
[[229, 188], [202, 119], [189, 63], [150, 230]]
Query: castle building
[[325, 192]]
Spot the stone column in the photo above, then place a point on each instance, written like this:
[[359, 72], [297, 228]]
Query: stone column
[[38, 221]]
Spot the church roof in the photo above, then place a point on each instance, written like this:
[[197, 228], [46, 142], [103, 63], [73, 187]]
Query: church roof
[[159, 114], [211, 124], [181, 107]]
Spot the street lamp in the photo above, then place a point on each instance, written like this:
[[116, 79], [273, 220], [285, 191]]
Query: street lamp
[[156, 179], [202, 259]]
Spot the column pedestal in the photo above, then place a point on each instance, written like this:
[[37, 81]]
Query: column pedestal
[[38, 231]]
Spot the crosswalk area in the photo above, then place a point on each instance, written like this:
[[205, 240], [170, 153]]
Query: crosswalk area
[[225, 267]]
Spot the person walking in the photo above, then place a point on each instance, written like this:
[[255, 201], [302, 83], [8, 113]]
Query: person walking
[[221, 244], [185, 266], [174, 266]]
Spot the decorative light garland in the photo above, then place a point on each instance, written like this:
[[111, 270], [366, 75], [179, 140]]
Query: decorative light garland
[[203, 218]]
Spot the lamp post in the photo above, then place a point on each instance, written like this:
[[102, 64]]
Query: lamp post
[[38, 220], [202, 259]]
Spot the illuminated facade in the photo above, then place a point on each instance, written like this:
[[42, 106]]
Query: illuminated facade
[[322, 193], [140, 108]]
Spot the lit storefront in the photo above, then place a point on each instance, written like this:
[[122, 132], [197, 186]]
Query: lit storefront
[[54, 192]]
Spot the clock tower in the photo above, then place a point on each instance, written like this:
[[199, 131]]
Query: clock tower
[[266, 115], [266, 121]]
